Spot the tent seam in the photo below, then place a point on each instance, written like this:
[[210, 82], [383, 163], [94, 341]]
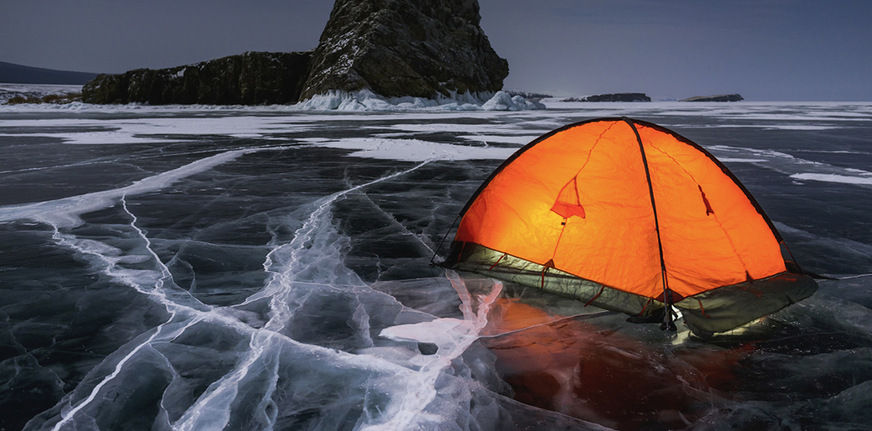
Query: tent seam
[[575, 183], [715, 214]]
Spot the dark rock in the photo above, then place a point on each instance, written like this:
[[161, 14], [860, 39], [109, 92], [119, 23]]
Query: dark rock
[[428, 348], [718, 98], [418, 48], [612, 97], [106, 89], [251, 78]]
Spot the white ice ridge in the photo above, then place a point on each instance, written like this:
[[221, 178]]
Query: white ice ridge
[[212, 409], [158, 285], [296, 269], [281, 274], [65, 212], [67, 416]]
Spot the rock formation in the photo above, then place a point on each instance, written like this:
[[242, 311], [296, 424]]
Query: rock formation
[[418, 48], [718, 98], [393, 48], [249, 78]]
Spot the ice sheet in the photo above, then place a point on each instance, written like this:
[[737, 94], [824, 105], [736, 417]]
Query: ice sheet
[[269, 268]]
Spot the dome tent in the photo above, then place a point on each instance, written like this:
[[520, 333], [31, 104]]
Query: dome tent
[[629, 216]]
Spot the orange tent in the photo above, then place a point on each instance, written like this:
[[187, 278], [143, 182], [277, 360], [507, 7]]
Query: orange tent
[[629, 216]]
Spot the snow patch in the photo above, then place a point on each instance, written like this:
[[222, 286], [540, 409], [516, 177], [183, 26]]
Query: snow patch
[[864, 180], [411, 150]]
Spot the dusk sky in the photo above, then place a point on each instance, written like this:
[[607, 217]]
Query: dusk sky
[[791, 50]]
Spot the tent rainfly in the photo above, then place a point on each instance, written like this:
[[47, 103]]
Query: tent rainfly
[[629, 216]]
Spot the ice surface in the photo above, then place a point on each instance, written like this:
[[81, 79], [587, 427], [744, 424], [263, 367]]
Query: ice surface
[[797, 168], [269, 268], [65, 212]]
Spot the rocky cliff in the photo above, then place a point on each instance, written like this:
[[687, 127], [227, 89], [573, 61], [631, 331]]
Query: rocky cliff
[[418, 48], [249, 78], [421, 48]]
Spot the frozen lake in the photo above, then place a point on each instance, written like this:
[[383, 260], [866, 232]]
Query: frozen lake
[[269, 268]]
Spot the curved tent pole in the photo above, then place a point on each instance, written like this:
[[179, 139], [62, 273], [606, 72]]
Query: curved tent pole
[[668, 324], [444, 237]]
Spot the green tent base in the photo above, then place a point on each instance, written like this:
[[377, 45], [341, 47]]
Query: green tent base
[[705, 314]]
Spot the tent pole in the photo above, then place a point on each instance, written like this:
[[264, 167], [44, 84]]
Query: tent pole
[[436, 252], [668, 323]]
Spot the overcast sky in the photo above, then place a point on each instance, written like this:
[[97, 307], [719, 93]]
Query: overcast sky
[[763, 49]]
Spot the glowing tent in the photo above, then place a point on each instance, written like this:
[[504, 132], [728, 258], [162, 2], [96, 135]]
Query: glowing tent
[[629, 216]]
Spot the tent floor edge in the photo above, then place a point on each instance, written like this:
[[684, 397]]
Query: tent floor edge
[[729, 307], [482, 260]]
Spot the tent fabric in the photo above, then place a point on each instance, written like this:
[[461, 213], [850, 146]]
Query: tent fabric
[[624, 205]]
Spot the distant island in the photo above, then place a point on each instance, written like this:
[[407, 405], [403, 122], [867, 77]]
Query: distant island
[[718, 98], [612, 97], [642, 97], [18, 74]]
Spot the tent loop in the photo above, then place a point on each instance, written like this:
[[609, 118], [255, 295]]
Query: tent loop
[[645, 307], [549, 264], [596, 296], [497, 262]]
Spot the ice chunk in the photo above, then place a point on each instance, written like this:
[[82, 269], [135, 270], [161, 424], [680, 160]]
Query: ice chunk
[[503, 101], [440, 332], [365, 100]]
